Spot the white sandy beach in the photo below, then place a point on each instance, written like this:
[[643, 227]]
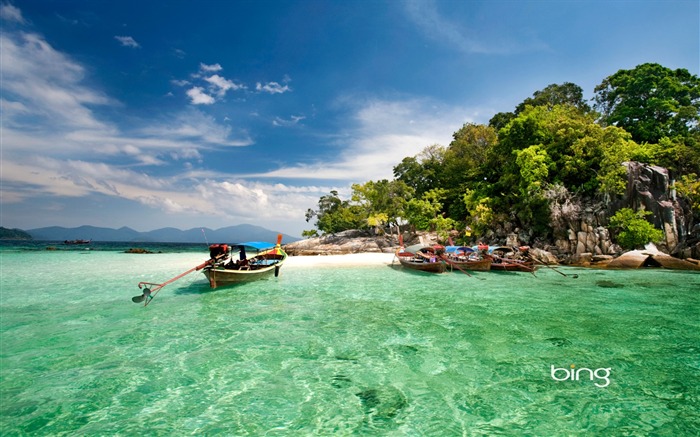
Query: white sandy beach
[[348, 260]]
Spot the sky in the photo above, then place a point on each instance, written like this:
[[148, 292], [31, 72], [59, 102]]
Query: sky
[[214, 113]]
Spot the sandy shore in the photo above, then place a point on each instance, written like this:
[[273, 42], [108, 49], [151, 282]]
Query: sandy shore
[[352, 259]]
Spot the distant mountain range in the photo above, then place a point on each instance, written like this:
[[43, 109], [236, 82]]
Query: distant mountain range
[[231, 234]]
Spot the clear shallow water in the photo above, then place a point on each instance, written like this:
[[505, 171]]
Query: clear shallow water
[[336, 351]]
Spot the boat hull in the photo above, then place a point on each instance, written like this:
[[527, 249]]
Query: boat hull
[[259, 267], [410, 261], [512, 266], [219, 277], [482, 265]]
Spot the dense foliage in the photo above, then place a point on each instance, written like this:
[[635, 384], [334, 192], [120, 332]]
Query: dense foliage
[[633, 231], [525, 166]]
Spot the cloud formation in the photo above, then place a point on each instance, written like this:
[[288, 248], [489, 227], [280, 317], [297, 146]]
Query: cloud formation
[[199, 97], [9, 12], [208, 88], [44, 86], [65, 138], [380, 134], [127, 41], [272, 88]]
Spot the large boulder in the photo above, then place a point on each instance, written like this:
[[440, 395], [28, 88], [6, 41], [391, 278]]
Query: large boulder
[[650, 257], [351, 241], [648, 189]]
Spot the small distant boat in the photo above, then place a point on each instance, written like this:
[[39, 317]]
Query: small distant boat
[[77, 241], [222, 270], [422, 258]]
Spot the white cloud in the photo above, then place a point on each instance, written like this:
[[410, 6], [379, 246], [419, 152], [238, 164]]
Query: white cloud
[[197, 128], [209, 68], [127, 41], [47, 83], [199, 97], [222, 85], [189, 194], [216, 85], [10, 13], [292, 121], [272, 88], [383, 133], [48, 111]]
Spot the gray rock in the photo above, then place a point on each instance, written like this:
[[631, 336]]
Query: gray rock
[[352, 241]]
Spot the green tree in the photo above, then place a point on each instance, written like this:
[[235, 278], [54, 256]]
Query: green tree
[[650, 102], [633, 230], [423, 212], [481, 216], [383, 202], [534, 163], [558, 145], [595, 163], [552, 95], [681, 155], [565, 94], [689, 187], [336, 215], [423, 171], [583, 156], [469, 150], [463, 164], [309, 233]]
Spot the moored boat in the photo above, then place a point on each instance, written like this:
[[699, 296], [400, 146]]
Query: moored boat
[[512, 259], [512, 265], [466, 258], [422, 258], [77, 241], [222, 270]]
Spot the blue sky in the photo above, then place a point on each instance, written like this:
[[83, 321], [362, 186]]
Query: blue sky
[[179, 113]]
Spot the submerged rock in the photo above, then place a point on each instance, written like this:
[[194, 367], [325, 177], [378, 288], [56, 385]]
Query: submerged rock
[[137, 250]]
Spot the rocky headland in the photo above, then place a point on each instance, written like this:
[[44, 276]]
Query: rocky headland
[[580, 229]]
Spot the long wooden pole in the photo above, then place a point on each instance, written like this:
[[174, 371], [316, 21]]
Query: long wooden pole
[[150, 293]]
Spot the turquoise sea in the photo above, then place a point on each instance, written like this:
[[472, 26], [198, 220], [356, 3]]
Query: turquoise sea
[[371, 350]]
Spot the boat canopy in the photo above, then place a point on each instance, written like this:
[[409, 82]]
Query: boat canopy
[[459, 249], [422, 247], [254, 245], [493, 249]]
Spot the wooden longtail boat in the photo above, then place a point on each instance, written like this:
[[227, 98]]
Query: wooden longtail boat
[[475, 265], [512, 259], [223, 271], [466, 258], [219, 271], [512, 265], [422, 258]]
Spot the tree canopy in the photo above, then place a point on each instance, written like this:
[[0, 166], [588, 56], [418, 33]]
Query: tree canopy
[[651, 102]]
